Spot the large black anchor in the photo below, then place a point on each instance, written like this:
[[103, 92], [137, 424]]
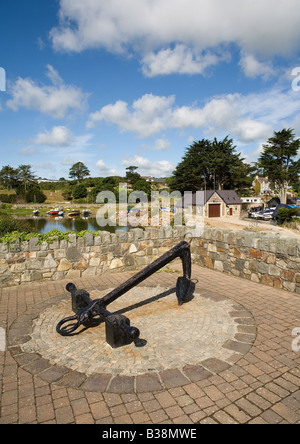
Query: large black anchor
[[118, 329]]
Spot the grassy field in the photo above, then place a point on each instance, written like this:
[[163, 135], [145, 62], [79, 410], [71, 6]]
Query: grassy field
[[21, 211], [7, 191], [54, 197]]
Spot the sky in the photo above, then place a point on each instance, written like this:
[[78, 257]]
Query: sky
[[124, 83]]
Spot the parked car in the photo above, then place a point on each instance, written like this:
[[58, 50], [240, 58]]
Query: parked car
[[253, 212], [258, 215], [268, 215]]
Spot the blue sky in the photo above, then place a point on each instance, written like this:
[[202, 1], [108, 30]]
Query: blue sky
[[134, 82]]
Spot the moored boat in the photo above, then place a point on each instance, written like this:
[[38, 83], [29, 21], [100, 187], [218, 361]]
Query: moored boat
[[74, 213], [55, 211]]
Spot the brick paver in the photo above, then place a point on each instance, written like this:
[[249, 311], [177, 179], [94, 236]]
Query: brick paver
[[259, 386]]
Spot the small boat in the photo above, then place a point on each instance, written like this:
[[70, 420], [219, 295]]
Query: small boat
[[86, 213], [36, 212], [55, 212], [74, 213]]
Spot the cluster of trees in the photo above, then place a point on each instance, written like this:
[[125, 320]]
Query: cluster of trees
[[96, 185], [84, 186], [206, 164], [80, 185], [15, 177], [217, 165], [21, 179], [212, 165]]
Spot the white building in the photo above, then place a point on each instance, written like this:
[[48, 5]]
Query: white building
[[265, 186]]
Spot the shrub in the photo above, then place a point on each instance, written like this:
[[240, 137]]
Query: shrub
[[286, 215], [8, 225], [35, 195], [80, 192], [67, 194], [8, 198], [5, 206]]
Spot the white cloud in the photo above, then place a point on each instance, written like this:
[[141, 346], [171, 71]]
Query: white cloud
[[151, 28], [249, 130], [62, 145], [259, 149], [232, 113], [28, 151], [104, 170], [146, 117], [59, 136], [246, 117], [44, 166], [253, 68], [159, 145], [54, 76], [41, 44], [68, 161], [55, 100], [147, 167], [180, 60]]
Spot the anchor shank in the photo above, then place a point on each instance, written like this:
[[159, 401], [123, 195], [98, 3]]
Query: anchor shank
[[181, 250]]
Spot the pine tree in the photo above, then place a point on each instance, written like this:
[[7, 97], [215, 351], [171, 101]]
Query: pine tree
[[211, 165], [79, 171], [278, 161]]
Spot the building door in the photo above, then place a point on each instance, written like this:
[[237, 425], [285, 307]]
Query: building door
[[231, 211], [215, 210]]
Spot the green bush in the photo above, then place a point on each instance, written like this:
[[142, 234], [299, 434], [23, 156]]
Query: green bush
[[35, 195], [8, 198], [49, 237], [80, 192], [67, 194], [5, 206], [286, 215], [9, 225]]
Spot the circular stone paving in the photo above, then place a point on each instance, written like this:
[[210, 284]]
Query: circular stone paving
[[211, 332]]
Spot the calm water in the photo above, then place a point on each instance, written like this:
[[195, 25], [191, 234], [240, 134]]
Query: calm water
[[46, 224]]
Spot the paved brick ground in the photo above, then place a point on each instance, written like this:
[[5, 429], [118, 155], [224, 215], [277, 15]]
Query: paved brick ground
[[261, 387]]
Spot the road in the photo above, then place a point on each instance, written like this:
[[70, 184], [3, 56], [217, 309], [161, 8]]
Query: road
[[234, 223]]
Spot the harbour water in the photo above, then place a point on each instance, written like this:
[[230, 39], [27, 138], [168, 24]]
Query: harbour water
[[45, 224]]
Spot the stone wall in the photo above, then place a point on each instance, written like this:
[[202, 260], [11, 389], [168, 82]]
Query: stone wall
[[258, 257]]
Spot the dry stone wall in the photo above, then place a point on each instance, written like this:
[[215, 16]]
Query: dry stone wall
[[259, 257]]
